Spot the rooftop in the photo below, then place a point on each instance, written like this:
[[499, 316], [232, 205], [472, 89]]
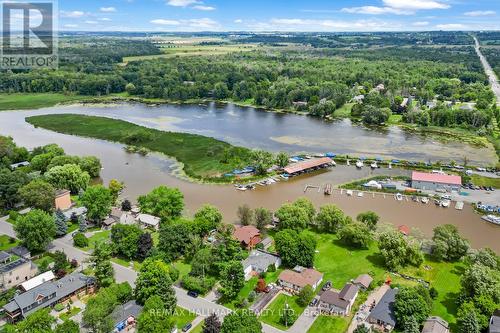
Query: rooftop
[[308, 276], [38, 280], [125, 311], [307, 164], [4, 256], [60, 193], [384, 310], [349, 292], [332, 297], [10, 266], [364, 279], [260, 260], [246, 233], [435, 325], [20, 251], [436, 178], [148, 219]]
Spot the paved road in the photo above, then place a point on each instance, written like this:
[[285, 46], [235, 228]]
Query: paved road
[[495, 86], [199, 306]]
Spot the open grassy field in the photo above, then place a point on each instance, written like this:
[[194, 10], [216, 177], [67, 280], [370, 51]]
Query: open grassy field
[[329, 324], [97, 237], [485, 181], [344, 111], [201, 156], [34, 101], [192, 50], [271, 315]]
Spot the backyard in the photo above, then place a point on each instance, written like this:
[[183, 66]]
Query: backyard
[[272, 313]]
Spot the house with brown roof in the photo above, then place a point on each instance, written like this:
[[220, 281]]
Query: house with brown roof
[[435, 325], [248, 236], [338, 303], [294, 280], [363, 281]]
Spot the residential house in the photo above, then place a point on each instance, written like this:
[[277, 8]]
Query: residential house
[[47, 294], [294, 280], [149, 221], [338, 303], [258, 262], [37, 280], [383, 314], [108, 223], [77, 211], [20, 251], [363, 281], [248, 236], [125, 316], [16, 272], [63, 200], [494, 326], [267, 242], [435, 325], [4, 257]]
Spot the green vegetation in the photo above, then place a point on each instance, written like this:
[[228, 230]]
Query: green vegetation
[[329, 324], [182, 316], [22, 101], [97, 237], [271, 314], [201, 156], [7, 242], [485, 181]]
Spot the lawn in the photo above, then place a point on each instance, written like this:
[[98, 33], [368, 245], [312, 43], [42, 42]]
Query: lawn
[[198, 328], [68, 314], [271, 315], [97, 237], [7, 242], [485, 181], [329, 324], [47, 259], [344, 111], [395, 119], [183, 269], [202, 157], [34, 101], [182, 316]]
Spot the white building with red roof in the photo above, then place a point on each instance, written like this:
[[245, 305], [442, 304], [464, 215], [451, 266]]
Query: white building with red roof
[[435, 181]]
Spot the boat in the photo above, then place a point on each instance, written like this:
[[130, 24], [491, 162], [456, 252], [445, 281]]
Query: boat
[[359, 164], [425, 200], [349, 193], [492, 219], [459, 205], [241, 188], [415, 198], [328, 189], [399, 197], [360, 194], [445, 203], [437, 202], [374, 165], [285, 176]]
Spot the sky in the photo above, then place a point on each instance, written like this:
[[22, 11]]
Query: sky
[[278, 15]]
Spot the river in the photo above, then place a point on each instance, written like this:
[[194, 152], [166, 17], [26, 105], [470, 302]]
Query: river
[[141, 174]]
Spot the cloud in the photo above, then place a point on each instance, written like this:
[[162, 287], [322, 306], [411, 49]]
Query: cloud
[[108, 9], [416, 4], [420, 24], [238, 21], [91, 22], [105, 19], [72, 14], [451, 26], [71, 25], [165, 22], [298, 24], [190, 24], [481, 13], [373, 10], [182, 3], [205, 8]]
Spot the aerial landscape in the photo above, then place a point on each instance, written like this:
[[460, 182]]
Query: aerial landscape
[[211, 166]]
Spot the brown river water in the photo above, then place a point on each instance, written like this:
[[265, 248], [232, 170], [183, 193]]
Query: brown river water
[[141, 174]]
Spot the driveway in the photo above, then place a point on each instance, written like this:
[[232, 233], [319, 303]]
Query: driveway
[[364, 310]]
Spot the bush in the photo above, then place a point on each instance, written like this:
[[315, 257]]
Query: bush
[[13, 215], [58, 307], [433, 293], [271, 268], [79, 240], [251, 296], [198, 284]]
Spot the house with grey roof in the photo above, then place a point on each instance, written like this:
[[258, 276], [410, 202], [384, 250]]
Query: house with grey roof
[[363, 281], [20, 251], [48, 294], [338, 302], [435, 325], [258, 262], [125, 315], [494, 326], [4, 257], [383, 314], [15, 272]]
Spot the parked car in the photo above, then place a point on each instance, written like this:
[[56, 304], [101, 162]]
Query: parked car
[[187, 327], [327, 286], [314, 302], [193, 294]]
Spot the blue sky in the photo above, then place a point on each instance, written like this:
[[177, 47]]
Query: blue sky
[[282, 15]]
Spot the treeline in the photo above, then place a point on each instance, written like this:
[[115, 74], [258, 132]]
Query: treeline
[[493, 56]]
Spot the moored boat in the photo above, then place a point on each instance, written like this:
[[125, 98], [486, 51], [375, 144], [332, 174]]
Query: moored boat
[[492, 219], [359, 164], [425, 200], [399, 197], [374, 165]]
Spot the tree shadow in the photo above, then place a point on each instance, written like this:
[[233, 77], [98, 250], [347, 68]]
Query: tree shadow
[[376, 260]]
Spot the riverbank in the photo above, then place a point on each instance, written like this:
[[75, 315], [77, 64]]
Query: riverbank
[[36, 101], [202, 158]]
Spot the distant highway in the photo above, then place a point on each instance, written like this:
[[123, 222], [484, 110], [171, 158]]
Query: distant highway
[[495, 86]]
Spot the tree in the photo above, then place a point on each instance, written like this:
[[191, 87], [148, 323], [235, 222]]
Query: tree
[[97, 313], [308, 206], [10, 183], [467, 319], [125, 239], [282, 159], [69, 177], [98, 200], [293, 217], [91, 165], [203, 263], [411, 326], [294, 248], [481, 280], [263, 217], [288, 316], [245, 215], [212, 324], [38, 194], [130, 88], [100, 261], [38, 322], [79, 240], [115, 187], [356, 235], [154, 317], [369, 218], [68, 326], [410, 303], [362, 329], [82, 224], [397, 252], [63, 160], [206, 219], [241, 322], [232, 279], [262, 160], [41, 162], [144, 246], [449, 245], [60, 261], [174, 240], [164, 202], [35, 229], [330, 219], [61, 223], [126, 205], [485, 257], [305, 296], [154, 279]]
